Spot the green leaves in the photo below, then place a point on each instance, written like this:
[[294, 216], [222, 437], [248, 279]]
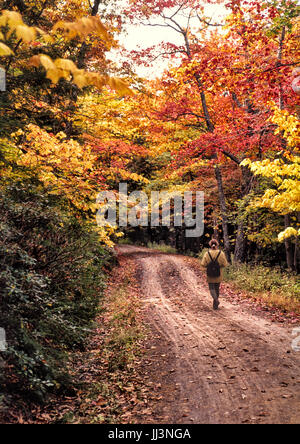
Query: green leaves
[[284, 14], [51, 280]]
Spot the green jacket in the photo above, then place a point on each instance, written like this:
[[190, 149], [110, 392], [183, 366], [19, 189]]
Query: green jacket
[[222, 262]]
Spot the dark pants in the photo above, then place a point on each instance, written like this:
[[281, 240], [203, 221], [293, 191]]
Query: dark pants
[[214, 290]]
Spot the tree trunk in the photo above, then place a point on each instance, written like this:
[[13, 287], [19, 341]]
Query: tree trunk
[[241, 239], [296, 257], [210, 128], [216, 232], [240, 244], [180, 239], [296, 254], [223, 208], [289, 247], [84, 46]]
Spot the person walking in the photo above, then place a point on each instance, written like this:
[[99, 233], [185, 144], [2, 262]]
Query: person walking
[[214, 261]]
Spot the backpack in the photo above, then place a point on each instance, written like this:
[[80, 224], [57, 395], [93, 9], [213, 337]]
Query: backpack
[[213, 268]]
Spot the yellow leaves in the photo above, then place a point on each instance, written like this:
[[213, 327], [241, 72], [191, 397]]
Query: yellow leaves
[[285, 172], [56, 74], [98, 80], [80, 79], [285, 197], [5, 50], [17, 133], [65, 68], [13, 20], [95, 79], [66, 65], [53, 72], [43, 60], [245, 162], [126, 175], [104, 235], [25, 33], [61, 135], [288, 233], [82, 28], [62, 68], [288, 124], [120, 86], [138, 178], [46, 62], [65, 166], [46, 37]]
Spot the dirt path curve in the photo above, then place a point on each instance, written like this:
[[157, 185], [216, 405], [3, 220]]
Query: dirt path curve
[[225, 366]]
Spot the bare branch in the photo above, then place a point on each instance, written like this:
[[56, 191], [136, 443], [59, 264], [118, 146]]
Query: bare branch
[[179, 9], [202, 20], [231, 156], [154, 24], [178, 51], [161, 25]]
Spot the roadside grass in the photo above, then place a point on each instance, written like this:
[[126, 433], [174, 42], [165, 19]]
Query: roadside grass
[[272, 285], [110, 388], [162, 247], [124, 241], [124, 329]]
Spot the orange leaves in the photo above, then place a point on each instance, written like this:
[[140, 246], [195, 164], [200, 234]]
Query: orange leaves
[[42, 59], [65, 65], [54, 71]]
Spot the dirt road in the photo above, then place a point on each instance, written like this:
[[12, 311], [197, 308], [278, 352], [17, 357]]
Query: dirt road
[[225, 366]]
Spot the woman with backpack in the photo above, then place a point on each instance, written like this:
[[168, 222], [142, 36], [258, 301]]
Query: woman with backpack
[[214, 260]]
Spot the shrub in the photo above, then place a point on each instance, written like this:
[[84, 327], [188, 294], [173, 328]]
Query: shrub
[[259, 278], [51, 278]]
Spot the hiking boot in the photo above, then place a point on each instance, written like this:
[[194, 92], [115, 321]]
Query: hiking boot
[[216, 304]]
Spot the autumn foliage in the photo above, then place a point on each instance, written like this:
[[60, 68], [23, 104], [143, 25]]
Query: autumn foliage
[[223, 118]]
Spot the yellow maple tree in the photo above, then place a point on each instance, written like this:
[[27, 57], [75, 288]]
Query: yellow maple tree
[[61, 68], [284, 172]]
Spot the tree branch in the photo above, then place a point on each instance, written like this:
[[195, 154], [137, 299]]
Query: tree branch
[[208, 23], [231, 156]]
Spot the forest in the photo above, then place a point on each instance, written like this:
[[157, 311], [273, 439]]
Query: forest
[[222, 118]]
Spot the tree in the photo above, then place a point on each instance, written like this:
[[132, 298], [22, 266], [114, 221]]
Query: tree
[[43, 87], [284, 172], [233, 79]]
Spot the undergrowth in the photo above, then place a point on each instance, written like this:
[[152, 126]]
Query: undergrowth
[[51, 278], [162, 247], [111, 388], [276, 287], [124, 330]]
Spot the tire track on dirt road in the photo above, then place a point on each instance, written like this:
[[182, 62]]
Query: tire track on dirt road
[[230, 365]]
